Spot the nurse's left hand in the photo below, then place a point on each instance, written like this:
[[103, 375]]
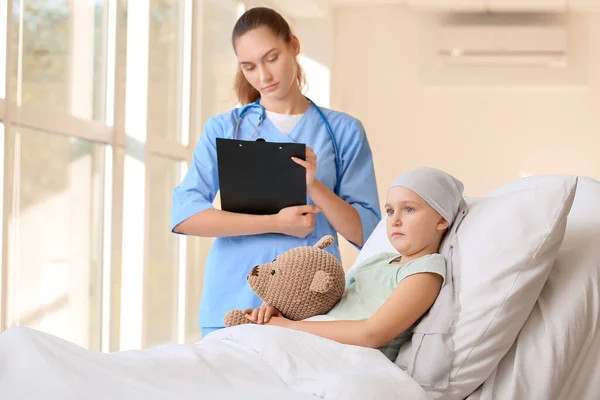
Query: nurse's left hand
[[310, 164]]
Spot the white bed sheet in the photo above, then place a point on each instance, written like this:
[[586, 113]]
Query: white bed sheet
[[245, 362]]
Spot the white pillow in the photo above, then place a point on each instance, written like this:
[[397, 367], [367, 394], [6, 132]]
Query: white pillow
[[507, 244], [554, 355]]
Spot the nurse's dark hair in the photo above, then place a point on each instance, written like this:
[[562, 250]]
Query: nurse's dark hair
[[252, 19]]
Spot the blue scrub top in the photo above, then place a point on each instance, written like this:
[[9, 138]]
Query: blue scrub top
[[231, 258]]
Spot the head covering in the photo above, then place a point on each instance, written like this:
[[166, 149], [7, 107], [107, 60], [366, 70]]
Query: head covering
[[440, 190]]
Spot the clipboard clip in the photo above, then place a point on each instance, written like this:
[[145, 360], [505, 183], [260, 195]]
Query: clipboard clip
[[263, 140]]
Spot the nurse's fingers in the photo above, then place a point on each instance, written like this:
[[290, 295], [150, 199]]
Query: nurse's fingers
[[308, 209], [247, 311], [305, 164]]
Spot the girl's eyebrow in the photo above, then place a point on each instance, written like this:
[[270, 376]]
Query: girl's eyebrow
[[410, 203], [403, 203]]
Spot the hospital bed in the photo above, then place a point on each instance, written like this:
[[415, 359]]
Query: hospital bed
[[544, 346]]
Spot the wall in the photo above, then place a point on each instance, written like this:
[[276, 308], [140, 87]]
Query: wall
[[483, 131]]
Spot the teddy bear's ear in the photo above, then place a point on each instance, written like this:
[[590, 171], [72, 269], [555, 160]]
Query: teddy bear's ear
[[321, 282], [325, 241]]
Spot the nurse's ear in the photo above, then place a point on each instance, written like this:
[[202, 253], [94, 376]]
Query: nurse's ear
[[295, 44]]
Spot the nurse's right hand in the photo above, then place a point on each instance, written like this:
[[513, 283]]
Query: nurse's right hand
[[298, 221]]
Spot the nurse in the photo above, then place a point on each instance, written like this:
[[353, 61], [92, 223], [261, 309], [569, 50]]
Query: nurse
[[344, 202]]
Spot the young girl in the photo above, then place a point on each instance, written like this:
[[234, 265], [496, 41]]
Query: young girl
[[387, 294], [341, 187]]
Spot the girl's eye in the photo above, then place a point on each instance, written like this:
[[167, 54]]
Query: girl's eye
[[409, 209], [389, 211], [273, 59]]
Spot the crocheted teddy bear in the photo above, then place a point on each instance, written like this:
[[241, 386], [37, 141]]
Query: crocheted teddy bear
[[301, 283]]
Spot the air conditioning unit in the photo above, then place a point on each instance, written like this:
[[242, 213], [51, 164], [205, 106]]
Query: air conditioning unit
[[504, 45]]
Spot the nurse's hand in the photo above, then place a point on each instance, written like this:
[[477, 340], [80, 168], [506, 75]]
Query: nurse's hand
[[310, 164], [297, 221]]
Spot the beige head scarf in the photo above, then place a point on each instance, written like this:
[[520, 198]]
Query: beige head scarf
[[440, 190]]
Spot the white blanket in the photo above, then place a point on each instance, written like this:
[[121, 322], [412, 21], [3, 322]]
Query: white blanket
[[245, 362]]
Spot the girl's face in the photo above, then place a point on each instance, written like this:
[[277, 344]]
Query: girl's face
[[413, 226], [267, 62]]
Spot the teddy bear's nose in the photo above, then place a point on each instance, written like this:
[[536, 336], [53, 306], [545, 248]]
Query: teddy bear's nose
[[254, 271]]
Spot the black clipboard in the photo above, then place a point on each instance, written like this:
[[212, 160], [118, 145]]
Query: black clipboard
[[260, 178]]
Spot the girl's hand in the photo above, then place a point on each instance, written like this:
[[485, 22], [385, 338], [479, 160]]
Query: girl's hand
[[261, 315], [310, 164]]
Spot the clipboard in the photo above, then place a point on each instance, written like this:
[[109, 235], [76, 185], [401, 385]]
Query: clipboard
[[260, 178]]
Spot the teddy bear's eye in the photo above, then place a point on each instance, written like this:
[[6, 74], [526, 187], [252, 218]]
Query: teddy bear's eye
[[272, 272]]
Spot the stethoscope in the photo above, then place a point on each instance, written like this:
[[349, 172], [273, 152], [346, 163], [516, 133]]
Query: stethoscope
[[261, 118]]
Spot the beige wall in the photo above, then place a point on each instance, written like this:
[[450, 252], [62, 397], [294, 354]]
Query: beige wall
[[471, 125]]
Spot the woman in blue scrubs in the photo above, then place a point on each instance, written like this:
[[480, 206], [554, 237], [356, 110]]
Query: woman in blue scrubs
[[269, 73]]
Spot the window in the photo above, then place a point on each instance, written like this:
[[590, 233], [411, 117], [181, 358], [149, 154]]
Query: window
[[101, 113], [166, 72], [55, 245], [59, 49], [218, 58], [3, 44], [161, 280]]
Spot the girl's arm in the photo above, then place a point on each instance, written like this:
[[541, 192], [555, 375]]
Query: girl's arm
[[412, 297]]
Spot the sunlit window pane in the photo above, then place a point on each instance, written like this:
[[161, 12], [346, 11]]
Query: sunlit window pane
[[318, 80], [3, 32], [59, 56], [165, 69], [161, 283], [218, 58], [55, 236]]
